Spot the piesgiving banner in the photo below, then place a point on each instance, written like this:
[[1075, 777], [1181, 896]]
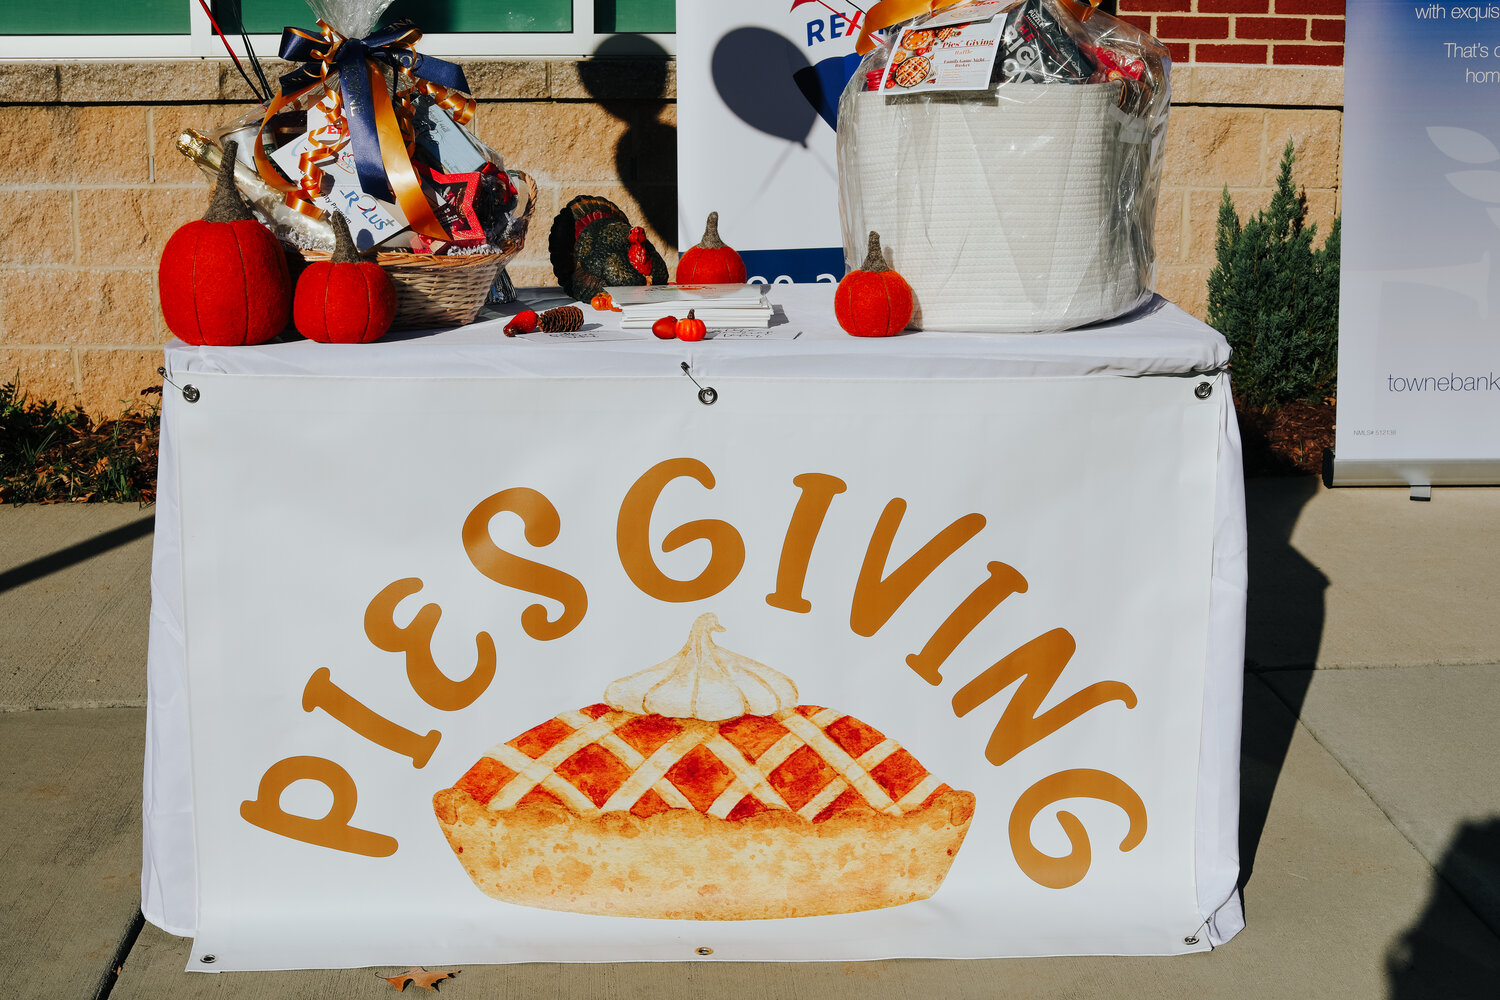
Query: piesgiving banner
[[1419, 334], [758, 87], [828, 670]]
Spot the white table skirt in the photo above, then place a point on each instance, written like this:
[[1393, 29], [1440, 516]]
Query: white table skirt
[[1158, 341]]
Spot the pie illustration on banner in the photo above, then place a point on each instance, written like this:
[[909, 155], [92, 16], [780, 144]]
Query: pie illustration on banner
[[700, 789]]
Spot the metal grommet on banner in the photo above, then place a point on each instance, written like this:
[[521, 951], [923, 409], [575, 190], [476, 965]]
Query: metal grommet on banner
[[209, 959], [1191, 939], [705, 950], [192, 395], [707, 394], [1204, 390]]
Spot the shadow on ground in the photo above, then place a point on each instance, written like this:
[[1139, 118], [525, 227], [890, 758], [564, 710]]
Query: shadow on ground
[[1283, 631], [73, 554], [1439, 957], [1430, 961]]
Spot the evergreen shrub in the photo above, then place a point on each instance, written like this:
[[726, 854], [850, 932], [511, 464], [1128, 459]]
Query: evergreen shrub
[[1276, 299]]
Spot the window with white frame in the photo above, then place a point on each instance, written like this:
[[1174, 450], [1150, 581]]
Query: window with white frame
[[145, 29]]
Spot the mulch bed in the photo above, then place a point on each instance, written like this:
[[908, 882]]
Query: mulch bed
[[1288, 441], [50, 454]]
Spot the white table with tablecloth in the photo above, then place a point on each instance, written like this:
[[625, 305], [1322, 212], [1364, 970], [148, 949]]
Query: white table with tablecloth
[[1021, 557]]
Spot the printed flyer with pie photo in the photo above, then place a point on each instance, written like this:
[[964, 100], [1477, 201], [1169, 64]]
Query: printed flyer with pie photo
[[954, 50]]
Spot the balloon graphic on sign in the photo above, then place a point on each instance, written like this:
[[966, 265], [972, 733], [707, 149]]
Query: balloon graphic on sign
[[753, 71], [823, 83]]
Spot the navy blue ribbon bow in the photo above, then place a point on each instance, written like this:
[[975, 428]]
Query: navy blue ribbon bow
[[390, 45]]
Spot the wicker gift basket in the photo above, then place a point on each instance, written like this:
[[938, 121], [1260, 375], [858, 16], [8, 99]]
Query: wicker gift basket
[[434, 290]]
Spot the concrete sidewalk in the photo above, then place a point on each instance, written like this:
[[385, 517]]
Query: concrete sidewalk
[[1370, 818]]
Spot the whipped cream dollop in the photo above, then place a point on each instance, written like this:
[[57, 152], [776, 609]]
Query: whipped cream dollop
[[704, 681]]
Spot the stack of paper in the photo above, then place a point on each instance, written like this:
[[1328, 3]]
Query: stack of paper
[[715, 305]]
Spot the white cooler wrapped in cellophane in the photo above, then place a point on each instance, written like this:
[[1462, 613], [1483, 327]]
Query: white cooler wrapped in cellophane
[[1025, 204]]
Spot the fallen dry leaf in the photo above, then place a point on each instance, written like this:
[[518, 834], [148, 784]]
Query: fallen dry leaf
[[424, 978]]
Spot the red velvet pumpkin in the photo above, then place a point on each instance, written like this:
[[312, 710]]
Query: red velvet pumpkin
[[873, 301], [223, 279], [710, 262], [346, 299]]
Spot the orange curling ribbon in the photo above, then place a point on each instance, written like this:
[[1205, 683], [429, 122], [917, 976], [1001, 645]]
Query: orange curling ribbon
[[326, 143], [296, 195], [406, 116], [263, 164], [311, 164], [460, 107], [398, 169]]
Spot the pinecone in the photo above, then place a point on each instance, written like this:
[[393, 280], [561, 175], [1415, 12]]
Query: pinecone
[[564, 319]]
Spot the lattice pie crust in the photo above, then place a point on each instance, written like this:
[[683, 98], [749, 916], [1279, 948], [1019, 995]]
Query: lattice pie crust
[[804, 812]]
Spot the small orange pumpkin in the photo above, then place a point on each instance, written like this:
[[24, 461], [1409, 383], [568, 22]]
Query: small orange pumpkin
[[873, 301], [346, 299], [711, 261], [691, 328]]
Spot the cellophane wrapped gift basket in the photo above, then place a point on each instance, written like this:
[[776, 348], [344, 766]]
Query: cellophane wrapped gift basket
[[1009, 155], [367, 127]]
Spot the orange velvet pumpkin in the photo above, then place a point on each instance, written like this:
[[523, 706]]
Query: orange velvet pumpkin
[[873, 301], [223, 280], [711, 261], [346, 299]]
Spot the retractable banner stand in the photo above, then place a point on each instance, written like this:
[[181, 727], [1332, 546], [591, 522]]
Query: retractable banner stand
[[831, 669], [758, 86], [1419, 312]]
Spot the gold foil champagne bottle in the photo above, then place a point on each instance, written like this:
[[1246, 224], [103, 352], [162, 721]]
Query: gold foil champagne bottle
[[288, 224]]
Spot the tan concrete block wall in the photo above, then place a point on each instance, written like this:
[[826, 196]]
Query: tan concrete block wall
[[1228, 127], [91, 188]]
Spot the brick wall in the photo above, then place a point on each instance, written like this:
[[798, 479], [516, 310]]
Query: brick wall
[[91, 185], [1254, 32]]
